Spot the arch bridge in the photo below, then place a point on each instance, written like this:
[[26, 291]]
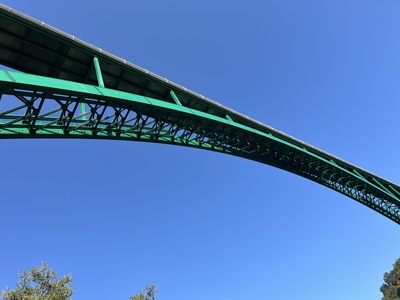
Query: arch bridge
[[67, 88]]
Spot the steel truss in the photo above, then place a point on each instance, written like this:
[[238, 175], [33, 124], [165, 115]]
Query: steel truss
[[32, 106]]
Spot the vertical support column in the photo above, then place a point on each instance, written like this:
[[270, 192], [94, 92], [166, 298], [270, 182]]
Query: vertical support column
[[98, 72], [83, 111], [173, 95], [100, 82]]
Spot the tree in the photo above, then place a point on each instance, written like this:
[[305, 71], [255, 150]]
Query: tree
[[150, 293], [391, 286], [40, 283]]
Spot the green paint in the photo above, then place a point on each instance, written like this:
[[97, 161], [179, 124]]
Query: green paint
[[117, 115], [176, 99], [98, 72]]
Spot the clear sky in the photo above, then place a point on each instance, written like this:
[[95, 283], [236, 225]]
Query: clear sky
[[202, 225]]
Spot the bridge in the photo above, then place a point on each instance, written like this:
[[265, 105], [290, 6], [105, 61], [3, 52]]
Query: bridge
[[63, 87]]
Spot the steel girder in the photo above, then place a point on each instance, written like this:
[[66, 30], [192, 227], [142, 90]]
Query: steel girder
[[33, 106]]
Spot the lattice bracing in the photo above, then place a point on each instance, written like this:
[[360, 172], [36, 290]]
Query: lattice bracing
[[34, 106]]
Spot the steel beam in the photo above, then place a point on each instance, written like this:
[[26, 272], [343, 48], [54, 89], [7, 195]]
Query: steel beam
[[34, 106]]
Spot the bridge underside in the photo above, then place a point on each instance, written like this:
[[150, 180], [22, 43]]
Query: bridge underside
[[33, 106], [85, 92]]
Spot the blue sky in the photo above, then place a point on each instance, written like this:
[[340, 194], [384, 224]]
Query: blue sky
[[202, 225]]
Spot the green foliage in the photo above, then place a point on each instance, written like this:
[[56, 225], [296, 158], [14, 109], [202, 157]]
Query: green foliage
[[150, 293], [40, 283], [391, 286]]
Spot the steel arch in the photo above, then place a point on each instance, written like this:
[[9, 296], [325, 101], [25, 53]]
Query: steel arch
[[34, 106]]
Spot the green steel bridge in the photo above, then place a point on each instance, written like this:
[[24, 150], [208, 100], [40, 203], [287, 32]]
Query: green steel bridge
[[64, 87]]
